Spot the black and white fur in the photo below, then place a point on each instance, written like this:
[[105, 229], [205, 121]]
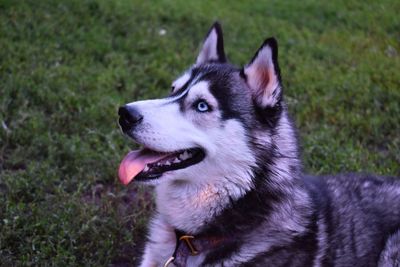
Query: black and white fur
[[250, 185]]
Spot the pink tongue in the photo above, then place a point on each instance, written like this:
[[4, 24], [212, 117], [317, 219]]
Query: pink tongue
[[135, 162]]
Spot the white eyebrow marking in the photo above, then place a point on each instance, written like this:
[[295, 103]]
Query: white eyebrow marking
[[178, 83], [192, 83]]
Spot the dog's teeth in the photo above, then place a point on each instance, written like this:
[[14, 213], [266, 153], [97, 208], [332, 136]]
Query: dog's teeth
[[167, 163], [184, 155], [146, 168], [176, 160]]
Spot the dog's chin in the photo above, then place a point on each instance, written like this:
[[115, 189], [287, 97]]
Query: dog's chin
[[165, 177]]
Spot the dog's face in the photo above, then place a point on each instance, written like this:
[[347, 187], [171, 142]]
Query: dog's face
[[204, 130]]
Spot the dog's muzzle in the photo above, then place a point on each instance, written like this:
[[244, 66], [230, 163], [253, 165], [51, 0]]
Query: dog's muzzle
[[129, 118]]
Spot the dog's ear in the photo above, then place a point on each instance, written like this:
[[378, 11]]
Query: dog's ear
[[262, 74], [213, 46]]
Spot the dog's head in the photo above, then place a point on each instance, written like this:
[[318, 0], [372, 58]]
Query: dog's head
[[213, 124]]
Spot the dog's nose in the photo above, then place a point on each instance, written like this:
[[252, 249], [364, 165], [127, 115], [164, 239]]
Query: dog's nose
[[129, 117]]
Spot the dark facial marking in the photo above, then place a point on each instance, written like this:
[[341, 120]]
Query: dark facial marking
[[222, 79]]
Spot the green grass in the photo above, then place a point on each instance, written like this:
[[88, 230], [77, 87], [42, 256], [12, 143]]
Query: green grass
[[66, 66]]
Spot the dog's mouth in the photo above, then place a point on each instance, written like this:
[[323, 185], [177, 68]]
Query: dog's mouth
[[147, 164]]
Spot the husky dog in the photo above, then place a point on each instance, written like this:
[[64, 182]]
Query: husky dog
[[222, 153]]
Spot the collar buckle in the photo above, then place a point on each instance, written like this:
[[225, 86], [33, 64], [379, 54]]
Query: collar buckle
[[187, 239]]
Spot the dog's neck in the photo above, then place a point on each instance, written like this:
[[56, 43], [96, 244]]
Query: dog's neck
[[207, 210], [188, 207]]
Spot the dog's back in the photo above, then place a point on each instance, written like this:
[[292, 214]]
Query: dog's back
[[361, 213]]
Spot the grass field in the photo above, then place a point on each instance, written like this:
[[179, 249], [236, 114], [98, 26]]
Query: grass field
[[66, 67]]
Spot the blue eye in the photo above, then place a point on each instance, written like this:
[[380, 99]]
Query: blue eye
[[202, 106]]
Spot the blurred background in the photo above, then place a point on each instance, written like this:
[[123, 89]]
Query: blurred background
[[66, 67]]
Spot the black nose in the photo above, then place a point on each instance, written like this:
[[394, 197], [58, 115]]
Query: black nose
[[129, 117]]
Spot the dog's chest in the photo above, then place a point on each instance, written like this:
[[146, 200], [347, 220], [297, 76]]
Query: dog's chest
[[187, 210]]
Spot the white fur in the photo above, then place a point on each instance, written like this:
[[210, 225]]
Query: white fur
[[161, 243], [181, 81]]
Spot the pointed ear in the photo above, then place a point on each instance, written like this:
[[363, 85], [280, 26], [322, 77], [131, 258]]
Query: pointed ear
[[263, 76], [213, 46]]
